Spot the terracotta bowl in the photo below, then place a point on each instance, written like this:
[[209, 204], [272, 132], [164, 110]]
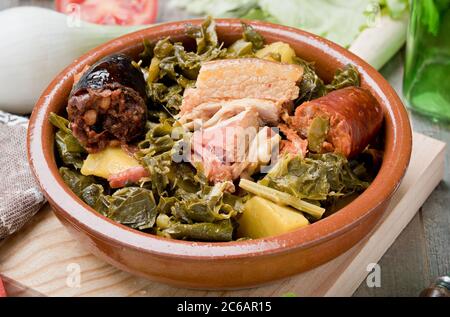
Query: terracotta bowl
[[233, 264]]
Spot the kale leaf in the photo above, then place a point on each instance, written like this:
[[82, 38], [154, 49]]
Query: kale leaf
[[69, 149], [315, 178]]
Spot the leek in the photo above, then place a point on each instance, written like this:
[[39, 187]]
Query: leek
[[376, 45]]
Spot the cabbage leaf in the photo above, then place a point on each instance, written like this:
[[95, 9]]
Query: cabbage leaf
[[338, 20]]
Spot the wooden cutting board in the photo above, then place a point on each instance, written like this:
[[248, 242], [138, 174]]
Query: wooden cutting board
[[42, 258]]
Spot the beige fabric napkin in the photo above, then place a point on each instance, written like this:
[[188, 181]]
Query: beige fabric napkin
[[20, 196]]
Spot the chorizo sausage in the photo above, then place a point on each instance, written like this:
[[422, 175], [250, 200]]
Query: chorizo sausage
[[354, 115], [108, 103]]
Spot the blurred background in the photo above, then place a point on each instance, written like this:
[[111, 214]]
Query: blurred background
[[374, 30]]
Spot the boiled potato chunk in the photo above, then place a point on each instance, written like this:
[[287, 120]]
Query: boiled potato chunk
[[262, 218], [284, 50], [107, 162]]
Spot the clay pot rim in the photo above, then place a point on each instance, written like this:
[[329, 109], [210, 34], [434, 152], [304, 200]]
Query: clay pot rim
[[81, 216]]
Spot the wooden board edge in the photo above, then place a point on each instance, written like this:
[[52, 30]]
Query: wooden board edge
[[15, 289]]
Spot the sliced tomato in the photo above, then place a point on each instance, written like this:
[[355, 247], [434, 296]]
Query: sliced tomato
[[111, 12], [2, 289]]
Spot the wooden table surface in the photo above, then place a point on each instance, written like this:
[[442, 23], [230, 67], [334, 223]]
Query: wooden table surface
[[421, 252]]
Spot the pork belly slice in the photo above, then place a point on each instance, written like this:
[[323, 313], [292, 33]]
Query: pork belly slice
[[228, 140], [233, 147], [211, 113], [243, 78]]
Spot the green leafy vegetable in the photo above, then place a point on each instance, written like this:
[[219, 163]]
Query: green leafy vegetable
[[241, 48], [157, 150], [220, 231], [163, 48], [147, 53], [174, 69], [134, 207], [346, 77], [75, 180], [315, 178], [367, 164], [204, 35], [94, 196], [206, 205], [184, 194], [311, 86], [131, 206], [250, 35], [170, 97], [250, 42], [60, 123], [69, 149], [317, 133]]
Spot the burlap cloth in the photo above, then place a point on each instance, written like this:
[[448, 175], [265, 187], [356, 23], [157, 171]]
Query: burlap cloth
[[20, 196]]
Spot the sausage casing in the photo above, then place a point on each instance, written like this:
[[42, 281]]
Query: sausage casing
[[108, 103], [355, 117]]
